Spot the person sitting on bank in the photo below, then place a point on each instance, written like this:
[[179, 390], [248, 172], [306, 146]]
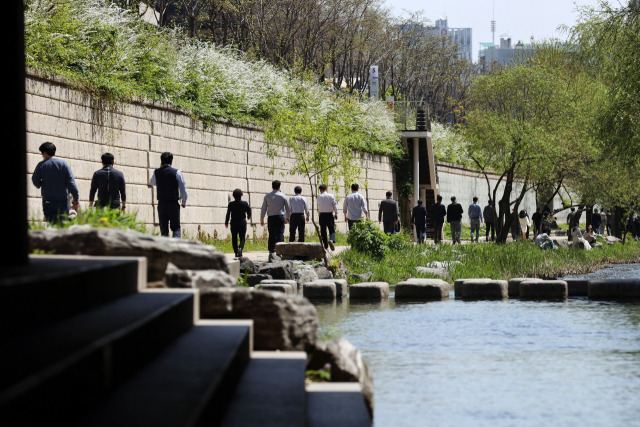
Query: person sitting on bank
[[419, 220], [239, 211], [299, 208]]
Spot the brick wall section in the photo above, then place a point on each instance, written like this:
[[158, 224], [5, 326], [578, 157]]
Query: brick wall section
[[213, 161]]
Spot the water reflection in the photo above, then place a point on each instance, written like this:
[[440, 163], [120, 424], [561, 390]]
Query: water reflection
[[497, 363]]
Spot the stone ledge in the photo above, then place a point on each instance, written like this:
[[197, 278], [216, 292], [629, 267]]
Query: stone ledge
[[424, 289]]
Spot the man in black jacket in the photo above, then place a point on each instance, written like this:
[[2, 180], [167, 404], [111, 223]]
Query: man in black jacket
[[389, 214], [438, 213], [454, 218], [419, 219], [110, 185]]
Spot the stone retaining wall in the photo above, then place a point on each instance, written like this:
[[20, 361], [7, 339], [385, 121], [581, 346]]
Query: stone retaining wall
[[214, 161]]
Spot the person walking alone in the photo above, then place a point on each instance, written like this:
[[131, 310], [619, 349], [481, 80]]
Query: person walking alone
[[354, 206], [239, 211], [276, 206], [55, 180], [171, 189], [438, 214], [475, 218], [389, 214], [419, 219], [489, 220], [299, 208], [454, 217], [110, 185], [328, 212]]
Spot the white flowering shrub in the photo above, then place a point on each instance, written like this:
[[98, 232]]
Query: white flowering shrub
[[111, 52]]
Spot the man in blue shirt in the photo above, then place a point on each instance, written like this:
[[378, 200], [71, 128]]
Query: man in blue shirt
[[475, 217], [54, 179], [171, 189], [109, 183]]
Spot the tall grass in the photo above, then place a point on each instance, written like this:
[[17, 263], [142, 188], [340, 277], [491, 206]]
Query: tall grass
[[519, 259], [98, 217]]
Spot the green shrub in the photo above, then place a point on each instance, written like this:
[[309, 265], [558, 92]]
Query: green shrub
[[367, 238], [399, 242]]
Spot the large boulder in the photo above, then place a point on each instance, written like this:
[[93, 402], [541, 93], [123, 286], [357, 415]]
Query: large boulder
[[323, 273], [278, 270], [281, 321], [159, 251], [247, 266], [300, 250], [347, 365], [178, 278], [434, 271], [307, 275], [256, 279]]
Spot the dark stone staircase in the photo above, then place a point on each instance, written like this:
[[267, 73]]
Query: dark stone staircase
[[85, 344]]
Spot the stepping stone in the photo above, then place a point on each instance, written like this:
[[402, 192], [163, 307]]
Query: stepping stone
[[577, 287], [369, 290], [614, 289], [544, 289], [319, 290], [457, 285], [483, 289], [514, 285], [422, 289], [342, 288], [256, 279], [276, 287], [292, 283]]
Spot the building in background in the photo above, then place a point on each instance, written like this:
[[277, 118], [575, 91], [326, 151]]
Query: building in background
[[491, 55], [462, 37]]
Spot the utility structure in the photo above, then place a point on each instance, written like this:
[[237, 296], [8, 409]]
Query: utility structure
[[418, 144]]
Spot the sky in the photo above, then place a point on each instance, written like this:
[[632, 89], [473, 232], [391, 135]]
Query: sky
[[521, 19]]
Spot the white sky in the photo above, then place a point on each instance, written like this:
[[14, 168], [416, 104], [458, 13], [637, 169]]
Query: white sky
[[521, 19]]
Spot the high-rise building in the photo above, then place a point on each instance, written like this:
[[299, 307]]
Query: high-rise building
[[462, 37]]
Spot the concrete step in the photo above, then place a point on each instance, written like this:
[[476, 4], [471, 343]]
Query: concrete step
[[336, 405], [51, 288], [271, 393], [186, 385], [58, 369]]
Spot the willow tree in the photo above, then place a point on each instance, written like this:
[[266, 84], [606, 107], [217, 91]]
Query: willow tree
[[523, 123]]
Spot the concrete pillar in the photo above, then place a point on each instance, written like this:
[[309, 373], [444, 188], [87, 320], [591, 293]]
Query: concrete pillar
[[12, 117], [416, 178]]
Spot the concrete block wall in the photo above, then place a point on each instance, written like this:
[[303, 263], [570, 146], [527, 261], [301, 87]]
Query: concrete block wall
[[464, 183], [214, 161]]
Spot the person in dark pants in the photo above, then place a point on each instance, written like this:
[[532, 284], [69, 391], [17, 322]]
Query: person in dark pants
[[388, 214], [239, 211], [276, 207], [438, 214], [110, 185], [328, 213], [454, 217], [354, 206], [489, 220], [54, 179], [171, 188], [596, 220], [536, 219], [299, 208], [419, 219]]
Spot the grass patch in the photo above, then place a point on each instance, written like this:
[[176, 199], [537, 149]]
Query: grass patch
[[98, 217], [519, 259], [257, 240]]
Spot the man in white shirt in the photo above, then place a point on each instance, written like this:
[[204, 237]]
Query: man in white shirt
[[299, 207], [354, 206], [276, 207], [328, 210]]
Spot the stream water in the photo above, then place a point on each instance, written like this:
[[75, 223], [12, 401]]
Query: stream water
[[498, 363]]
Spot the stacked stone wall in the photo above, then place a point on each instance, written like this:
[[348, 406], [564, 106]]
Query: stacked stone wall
[[214, 161]]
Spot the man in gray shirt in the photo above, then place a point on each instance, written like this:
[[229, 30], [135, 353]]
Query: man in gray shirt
[[299, 208], [354, 205], [54, 179], [276, 207]]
